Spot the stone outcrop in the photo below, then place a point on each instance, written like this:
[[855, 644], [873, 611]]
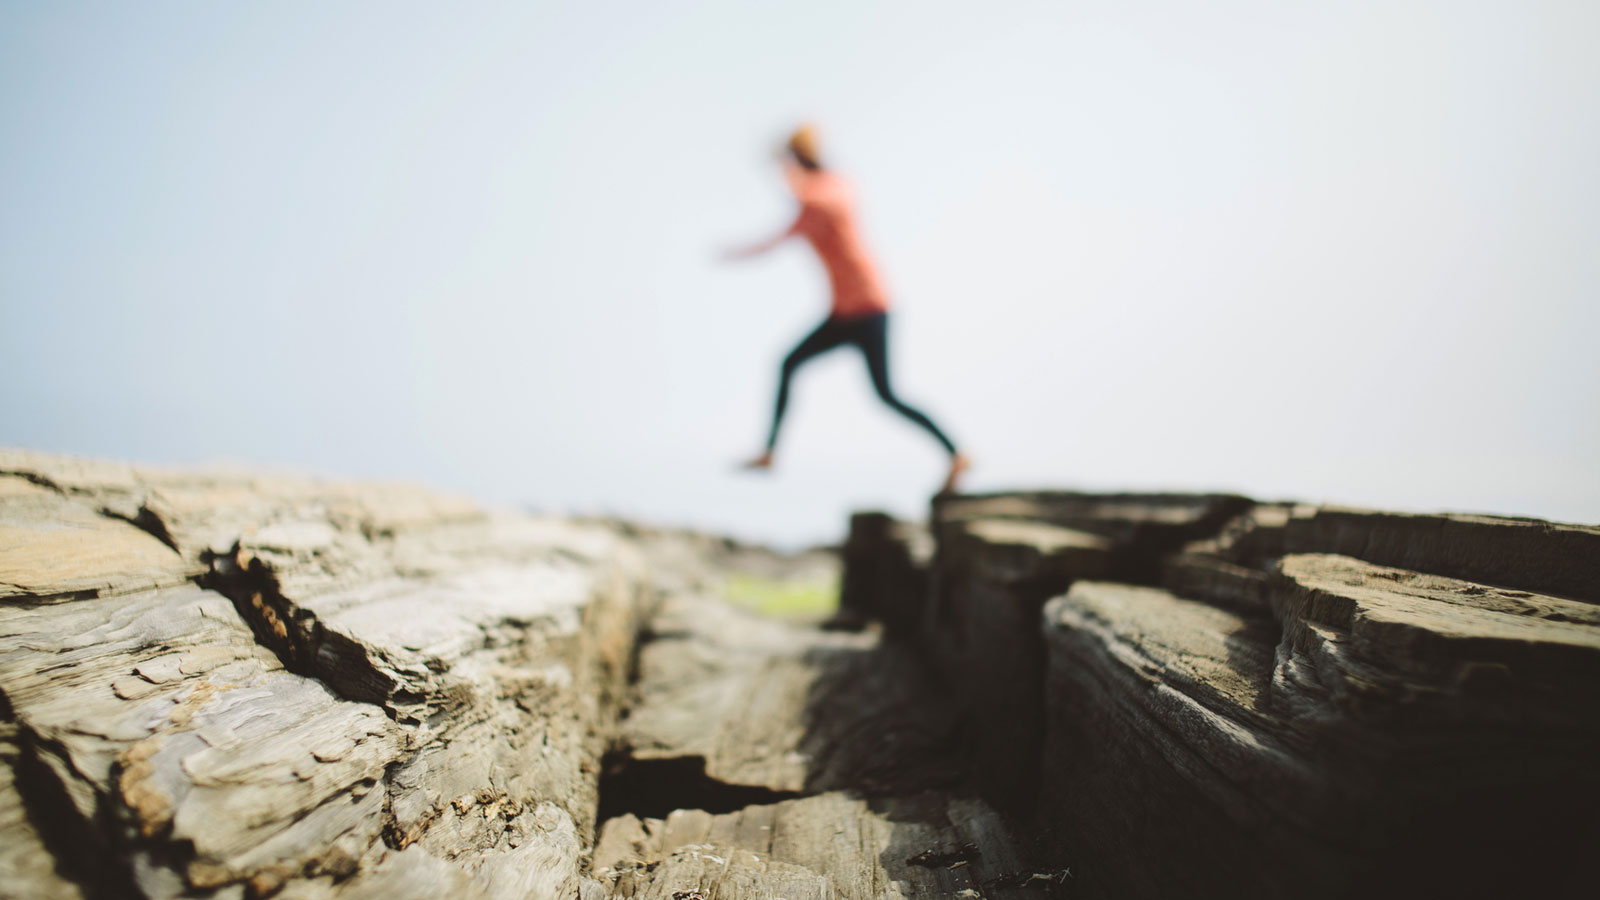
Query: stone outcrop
[[229, 684], [823, 847], [221, 683], [1206, 696]]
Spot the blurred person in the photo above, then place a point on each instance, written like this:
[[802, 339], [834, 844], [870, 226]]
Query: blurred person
[[860, 309]]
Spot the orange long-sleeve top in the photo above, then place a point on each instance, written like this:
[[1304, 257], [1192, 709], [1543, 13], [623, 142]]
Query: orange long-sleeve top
[[827, 220]]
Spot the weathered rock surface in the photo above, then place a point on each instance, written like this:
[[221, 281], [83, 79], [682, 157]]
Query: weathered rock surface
[[768, 759], [1372, 697], [53, 547], [227, 684], [222, 684], [1528, 553], [828, 847], [219, 684], [999, 558], [755, 703], [1138, 530]]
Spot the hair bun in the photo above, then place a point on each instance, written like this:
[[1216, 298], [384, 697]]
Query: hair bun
[[803, 144]]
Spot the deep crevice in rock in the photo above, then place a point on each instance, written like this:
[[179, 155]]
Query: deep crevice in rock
[[36, 478], [147, 521], [22, 599], [293, 633], [653, 788]]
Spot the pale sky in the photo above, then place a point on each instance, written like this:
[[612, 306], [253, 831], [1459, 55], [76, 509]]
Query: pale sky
[[1340, 252]]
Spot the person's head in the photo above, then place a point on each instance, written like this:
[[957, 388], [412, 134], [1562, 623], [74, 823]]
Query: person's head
[[802, 149]]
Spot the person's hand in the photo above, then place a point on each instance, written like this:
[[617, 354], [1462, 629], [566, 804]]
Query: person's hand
[[748, 250]]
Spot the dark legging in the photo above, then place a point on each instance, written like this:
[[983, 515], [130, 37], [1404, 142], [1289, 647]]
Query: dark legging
[[870, 334]]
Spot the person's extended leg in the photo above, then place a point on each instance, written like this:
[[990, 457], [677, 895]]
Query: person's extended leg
[[873, 339], [825, 337]]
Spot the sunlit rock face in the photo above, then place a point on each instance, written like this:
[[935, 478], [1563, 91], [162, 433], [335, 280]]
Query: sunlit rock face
[[225, 682]]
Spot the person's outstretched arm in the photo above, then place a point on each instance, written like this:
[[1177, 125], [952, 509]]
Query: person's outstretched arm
[[745, 252], [750, 250]]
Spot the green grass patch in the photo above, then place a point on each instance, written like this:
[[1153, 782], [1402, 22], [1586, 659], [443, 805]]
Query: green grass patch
[[783, 599]]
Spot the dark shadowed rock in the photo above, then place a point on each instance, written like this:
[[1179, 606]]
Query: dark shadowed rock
[[980, 630], [1368, 696], [1379, 725], [885, 576], [999, 558], [1531, 554], [1142, 528]]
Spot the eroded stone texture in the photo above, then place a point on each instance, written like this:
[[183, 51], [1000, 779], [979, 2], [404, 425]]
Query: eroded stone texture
[[828, 847], [998, 559], [237, 682], [1162, 764], [57, 547], [1378, 725], [499, 645], [1310, 691], [1142, 528], [182, 745], [771, 705], [1231, 567], [226, 684], [733, 713], [1531, 554]]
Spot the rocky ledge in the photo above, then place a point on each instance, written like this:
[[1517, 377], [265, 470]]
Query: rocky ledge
[[1207, 696], [230, 684]]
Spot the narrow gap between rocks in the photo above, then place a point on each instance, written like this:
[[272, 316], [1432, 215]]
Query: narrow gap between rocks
[[293, 634], [36, 478], [148, 522], [653, 788]]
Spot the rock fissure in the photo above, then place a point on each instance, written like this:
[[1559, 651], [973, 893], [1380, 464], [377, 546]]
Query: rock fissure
[[36, 478], [231, 685], [653, 788], [146, 520], [296, 637]]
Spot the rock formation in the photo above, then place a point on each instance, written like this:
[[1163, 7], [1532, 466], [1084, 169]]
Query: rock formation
[[1205, 696], [219, 683], [231, 684]]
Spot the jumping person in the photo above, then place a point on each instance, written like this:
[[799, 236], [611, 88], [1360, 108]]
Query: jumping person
[[860, 311]]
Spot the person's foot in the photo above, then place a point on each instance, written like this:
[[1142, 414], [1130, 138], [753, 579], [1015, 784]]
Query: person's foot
[[759, 464], [959, 463]]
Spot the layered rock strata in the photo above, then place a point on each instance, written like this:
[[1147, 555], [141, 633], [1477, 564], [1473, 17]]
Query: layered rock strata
[[226, 684], [1258, 700], [230, 684], [764, 758]]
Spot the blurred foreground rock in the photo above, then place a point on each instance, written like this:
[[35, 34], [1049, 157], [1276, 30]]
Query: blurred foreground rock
[[230, 684]]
